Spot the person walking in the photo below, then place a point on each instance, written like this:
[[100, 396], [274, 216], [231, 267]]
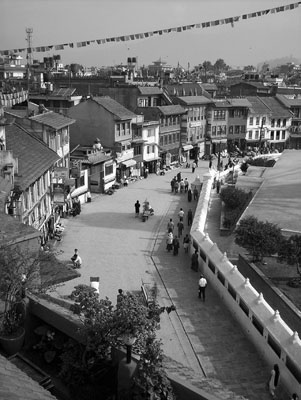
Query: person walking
[[180, 228], [274, 380], [189, 195], [210, 163], [182, 186], [186, 243], [186, 185], [170, 225], [172, 184], [176, 186], [189, 217], [76, 259], [169, 241], [202, 287], [137, 208], [181, 214], [195, 193], [176, 245], [195, 261], [193, 167]]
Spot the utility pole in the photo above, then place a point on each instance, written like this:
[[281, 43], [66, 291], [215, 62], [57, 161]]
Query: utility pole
[[29, 32]]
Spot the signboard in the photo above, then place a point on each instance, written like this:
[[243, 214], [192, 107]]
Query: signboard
[[60, 173], [75, 168]]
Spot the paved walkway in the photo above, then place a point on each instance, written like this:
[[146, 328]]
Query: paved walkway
[[202, 342]]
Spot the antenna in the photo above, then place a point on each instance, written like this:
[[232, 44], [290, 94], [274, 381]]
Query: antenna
[[29, 32]]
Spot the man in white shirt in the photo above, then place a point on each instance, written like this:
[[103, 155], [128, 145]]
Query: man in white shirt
[[202, 287], [181, 214]]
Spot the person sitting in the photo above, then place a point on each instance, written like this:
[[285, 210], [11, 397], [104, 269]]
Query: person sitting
[[76, 259]]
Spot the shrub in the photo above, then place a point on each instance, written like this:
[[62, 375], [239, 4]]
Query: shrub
[[234, 198]]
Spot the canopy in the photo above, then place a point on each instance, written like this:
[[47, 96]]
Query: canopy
[[129, 163], [187, 147]]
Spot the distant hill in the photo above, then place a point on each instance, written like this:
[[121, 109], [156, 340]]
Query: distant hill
[[279, 61]]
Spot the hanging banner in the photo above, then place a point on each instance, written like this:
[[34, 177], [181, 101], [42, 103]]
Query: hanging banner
[[145, 35]]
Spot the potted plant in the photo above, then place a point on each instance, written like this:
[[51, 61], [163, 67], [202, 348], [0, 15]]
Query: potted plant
[[18, 270]]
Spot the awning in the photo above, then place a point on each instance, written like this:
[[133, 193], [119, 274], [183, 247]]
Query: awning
[[129, 163], [187, 147], [219, 140]]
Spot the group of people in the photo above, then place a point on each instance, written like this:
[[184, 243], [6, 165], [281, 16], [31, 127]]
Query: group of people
[[178, 184]]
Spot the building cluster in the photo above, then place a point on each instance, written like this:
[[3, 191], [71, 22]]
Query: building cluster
[[56, 145]]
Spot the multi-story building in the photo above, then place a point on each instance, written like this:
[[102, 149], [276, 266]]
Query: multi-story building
[[108, 120], [237, 123], [193, 124], [217, 114], [293, 103], [268, 123], [30, 199]]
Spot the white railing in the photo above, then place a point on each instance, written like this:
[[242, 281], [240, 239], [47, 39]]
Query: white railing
[[275, 341]]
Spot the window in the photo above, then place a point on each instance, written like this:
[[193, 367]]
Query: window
[[237, 129], [230, 129], [258, 325], [211, 266], [251, 121], [221, 277], [118, 130], [277, 135], [232, 291], [108, 169], [272, 135], [214, 131], [272, 123], [274, 345], [250, 135], [256, 135], [278, 122], [284, 122], [137, 150], [293, 368], [244, 307], [283, 135], [219, 115], [257, 121], [243, 129]]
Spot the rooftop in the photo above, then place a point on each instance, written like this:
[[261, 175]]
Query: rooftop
[[53, 120], [279, 198], [114, 107], [172, 109], [194, 100], [34, 157]]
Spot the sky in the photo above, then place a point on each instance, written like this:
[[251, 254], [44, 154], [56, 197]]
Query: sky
[[248, 42]]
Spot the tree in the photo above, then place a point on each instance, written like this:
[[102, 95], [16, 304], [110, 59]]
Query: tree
[[75, 68], [260, 238], [207, 66], [290, 251], [219, 66], [249, 68]]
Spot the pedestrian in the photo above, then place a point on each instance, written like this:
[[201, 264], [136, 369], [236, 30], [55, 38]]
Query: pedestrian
[[195, 261], [210, 163], [218, 186], [274, 380], [186, 185], [181, 214], [76, 259], [193, 167], [196, 161], [180, 228], [176, 245], [179, 177], [195, 193], [146, 171], [186, 243], [169, 241], [189, 217], [202, 287], [120, 296], [189, 195], [172, 184], [170, 225], [182, 186], [176, 186], [137, 208]]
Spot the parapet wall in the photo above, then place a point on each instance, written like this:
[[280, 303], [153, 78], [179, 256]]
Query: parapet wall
[[274, 339]]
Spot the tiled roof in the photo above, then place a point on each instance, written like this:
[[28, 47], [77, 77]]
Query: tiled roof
[[289, 100], [114, 107], [257, 107], [34, 157], [239, 102], [191, 100], [209, 86], [172, 109], [277, 109], [268, 105], [98, 157], [52, 119], [16, 385], [149, 90], [11, 230]]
